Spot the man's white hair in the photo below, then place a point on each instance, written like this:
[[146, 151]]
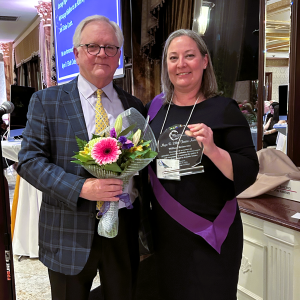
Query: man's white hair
[[97, 18]]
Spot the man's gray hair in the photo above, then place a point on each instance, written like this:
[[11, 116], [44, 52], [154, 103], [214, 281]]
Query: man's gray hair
[[209, 86], [97, 18]]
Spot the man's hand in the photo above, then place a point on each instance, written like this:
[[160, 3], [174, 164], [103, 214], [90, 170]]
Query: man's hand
[[95, 189]]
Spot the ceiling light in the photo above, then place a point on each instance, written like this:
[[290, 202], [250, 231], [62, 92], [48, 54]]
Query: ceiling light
[[203, 19]]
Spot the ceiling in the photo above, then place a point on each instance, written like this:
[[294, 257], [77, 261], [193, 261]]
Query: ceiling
[[24, 10], [278, 26], [277, 23]]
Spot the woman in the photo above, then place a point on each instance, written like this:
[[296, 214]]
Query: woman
[[191, 264], [270, 133]]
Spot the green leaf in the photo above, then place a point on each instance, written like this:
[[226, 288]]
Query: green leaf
[[83, 158], [145, 143], [132, 155], [138, 153], [150, 154], [126, 164], [112, 167], [95, 136], [127, 130], [141, 153], [90, 162], [130, 136], [80, 143], [76, 162]]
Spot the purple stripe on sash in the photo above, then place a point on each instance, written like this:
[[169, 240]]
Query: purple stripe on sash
[[214, 233], [155, 106]]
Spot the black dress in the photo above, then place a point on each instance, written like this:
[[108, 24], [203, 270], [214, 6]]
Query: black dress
[[270, 139], [188, 267]]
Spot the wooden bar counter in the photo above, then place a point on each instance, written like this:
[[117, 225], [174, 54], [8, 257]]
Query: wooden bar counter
[[270, 268], [273, 209]]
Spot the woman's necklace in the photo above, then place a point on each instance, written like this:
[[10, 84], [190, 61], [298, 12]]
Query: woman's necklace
[[187, 122]]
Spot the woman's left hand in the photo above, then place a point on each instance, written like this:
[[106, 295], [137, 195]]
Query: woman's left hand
[[203, 134]]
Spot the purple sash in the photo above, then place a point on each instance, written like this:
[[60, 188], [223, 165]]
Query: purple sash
[[215, 232]]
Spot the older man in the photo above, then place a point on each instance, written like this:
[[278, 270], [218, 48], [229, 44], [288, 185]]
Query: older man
[[69, 244]]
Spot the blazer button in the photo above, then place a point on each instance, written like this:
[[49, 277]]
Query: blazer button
[[92, 215]]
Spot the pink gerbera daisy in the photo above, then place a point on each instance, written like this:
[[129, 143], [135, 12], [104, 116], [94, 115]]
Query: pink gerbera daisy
[[106, 151]]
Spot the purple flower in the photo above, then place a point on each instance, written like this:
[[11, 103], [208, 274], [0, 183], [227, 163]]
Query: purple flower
[[113, 133], [122, 139], [127, 145]]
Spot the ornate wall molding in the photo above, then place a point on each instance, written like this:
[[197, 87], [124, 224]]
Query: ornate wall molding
[[6, 49], [248, 293], [245, 265], [44, 10]]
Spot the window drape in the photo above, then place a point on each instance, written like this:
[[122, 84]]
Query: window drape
[[28, 47], [29, 74], [159, 19], [153, 21]]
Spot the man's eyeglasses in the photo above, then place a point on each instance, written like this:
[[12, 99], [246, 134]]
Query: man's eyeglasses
[[95, 49]]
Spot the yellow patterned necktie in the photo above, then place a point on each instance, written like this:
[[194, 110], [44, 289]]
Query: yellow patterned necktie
[[101, 122], [101, 118]]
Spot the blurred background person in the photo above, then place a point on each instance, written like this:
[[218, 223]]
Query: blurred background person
[[270, 133], [266, 111]]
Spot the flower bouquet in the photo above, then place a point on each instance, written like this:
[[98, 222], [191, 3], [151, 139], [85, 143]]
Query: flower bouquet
[[119, 152]]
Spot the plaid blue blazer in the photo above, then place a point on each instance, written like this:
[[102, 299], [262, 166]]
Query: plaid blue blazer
[[67, 222]]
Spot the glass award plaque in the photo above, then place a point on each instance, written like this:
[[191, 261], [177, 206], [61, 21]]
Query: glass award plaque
[[178, 154]]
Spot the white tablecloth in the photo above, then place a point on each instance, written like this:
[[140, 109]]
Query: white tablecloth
[[10, 150], [25, 239]]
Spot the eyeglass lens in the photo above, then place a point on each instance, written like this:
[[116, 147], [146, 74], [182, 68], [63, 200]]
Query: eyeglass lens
[[109, 50]]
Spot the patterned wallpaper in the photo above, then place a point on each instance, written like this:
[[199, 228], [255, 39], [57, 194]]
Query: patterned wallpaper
[[280, 76]]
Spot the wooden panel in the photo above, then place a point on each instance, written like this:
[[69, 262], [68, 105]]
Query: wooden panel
[[261, 73], [273, 209], [293, 147]]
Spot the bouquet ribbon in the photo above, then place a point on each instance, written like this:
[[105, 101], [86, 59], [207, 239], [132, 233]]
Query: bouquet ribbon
[[125, 198]]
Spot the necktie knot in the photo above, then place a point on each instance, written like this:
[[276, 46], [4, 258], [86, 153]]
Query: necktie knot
[[99, 93]]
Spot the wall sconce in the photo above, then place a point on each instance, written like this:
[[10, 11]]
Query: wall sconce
[[203, 19]]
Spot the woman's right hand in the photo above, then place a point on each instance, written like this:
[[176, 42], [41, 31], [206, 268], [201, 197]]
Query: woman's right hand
[[203, 134], [218, 156]]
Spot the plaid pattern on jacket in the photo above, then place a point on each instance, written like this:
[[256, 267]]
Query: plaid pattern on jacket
[[66, 222]]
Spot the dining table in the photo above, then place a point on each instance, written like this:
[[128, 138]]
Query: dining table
[[25, 208]]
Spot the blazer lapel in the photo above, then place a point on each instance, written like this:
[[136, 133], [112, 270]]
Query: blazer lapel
[[122, 97], [72, 105]]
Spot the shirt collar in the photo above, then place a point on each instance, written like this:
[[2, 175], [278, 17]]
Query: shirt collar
[[87, 89]]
